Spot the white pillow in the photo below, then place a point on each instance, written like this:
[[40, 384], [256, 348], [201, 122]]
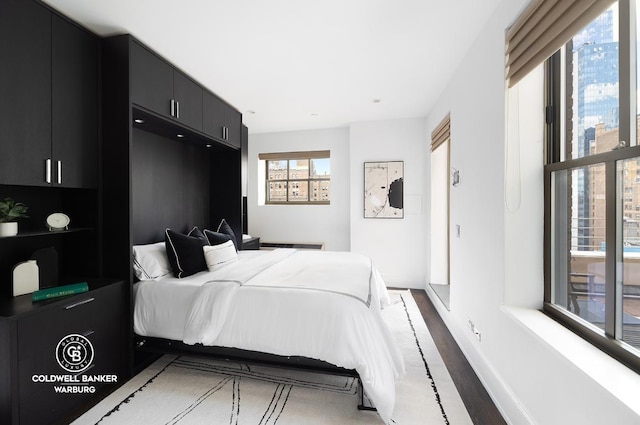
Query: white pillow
[[217, 256], [150, 262]]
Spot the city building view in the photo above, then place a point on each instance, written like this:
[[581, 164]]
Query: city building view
[[592, 127], [299, 181]]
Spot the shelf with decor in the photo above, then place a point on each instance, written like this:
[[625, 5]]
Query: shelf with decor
[[44, 232]]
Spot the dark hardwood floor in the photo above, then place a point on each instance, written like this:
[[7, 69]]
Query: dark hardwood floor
[[476, 399]]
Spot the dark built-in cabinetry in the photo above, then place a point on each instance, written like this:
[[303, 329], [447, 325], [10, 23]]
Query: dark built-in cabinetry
[[126, 144], [49, 89], [50, 121], [31, 333], [159, 87], [173, 156]]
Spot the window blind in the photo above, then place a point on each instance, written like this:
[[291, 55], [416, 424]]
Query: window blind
[[544, 27], [277, 156], [441, 134]]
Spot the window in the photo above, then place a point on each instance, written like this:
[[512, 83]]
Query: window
[[440, 183], [298, 177], [592, 184]]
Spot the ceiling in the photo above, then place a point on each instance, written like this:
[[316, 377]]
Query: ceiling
[[292, 64]]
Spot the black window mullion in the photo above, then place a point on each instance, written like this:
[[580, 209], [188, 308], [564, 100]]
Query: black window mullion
[[552, 108], [286, 184], [627, 72], [613, 242]]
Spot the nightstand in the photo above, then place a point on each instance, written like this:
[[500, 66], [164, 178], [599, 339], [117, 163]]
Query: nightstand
[[251, 244]]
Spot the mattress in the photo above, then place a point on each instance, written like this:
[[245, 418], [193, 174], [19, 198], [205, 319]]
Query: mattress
[[317, 304]]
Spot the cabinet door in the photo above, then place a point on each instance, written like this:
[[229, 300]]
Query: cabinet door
[[213, 120], [151, 81], [25, 90], [75, 56], [234, 126], [189, 97], [98, 316]]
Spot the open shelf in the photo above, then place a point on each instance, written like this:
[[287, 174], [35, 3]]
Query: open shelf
[[44, 232]]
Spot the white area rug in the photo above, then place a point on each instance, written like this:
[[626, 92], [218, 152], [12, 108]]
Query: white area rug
[[190, 390]]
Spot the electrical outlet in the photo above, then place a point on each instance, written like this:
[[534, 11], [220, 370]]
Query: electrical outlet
[[473, 329]]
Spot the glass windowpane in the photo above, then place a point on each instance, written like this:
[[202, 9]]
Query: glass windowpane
[[277, 170], [299, 169], [278, 191], [298, 191], [320, 191], [579, 248], [320, 168], [592, 84], [629, 283]]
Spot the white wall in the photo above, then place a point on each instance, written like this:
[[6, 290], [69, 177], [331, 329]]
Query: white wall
[[537, 371], [396, 246], [328, 224]]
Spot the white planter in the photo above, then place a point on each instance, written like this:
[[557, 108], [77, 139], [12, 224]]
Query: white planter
[[9, 229]]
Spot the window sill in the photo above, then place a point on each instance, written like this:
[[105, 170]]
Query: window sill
[[620, 381]]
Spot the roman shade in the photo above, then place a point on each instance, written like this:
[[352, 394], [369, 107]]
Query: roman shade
[[277, 156], [441, 134], [544, 27]]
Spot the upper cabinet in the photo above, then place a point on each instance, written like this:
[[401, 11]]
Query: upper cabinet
[[159, 87], [25, 90], [221, 121], [76, 56], [49, 112]]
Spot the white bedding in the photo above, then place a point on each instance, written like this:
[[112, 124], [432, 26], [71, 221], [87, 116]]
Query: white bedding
[[322, 305]]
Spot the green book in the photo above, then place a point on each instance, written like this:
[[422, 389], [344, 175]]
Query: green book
[[60, 291]]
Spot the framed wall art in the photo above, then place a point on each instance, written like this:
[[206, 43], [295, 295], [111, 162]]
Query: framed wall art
[[383, 189]]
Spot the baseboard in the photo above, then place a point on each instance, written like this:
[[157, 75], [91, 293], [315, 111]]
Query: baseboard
[[505, 399]]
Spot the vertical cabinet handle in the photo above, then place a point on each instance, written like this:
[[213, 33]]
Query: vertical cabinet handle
[[175, 108], [47, 171], [59, 172]]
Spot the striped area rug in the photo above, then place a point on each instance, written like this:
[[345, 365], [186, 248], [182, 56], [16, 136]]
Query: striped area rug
[[190, 390]]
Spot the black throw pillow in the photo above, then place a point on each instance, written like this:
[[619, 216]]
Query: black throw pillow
[[227, 230], [197, 233], [215, 238], [185, 253]]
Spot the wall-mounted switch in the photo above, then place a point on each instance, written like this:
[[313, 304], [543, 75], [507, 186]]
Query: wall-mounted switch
[[457, 230], [455, 180]]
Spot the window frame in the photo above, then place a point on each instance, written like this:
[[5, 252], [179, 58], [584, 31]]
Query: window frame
[[295, 156], [608, 339]]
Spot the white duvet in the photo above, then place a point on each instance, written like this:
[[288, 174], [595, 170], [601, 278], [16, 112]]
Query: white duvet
[[322, 305]]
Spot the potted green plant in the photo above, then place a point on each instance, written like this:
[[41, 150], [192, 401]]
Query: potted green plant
[[10, 211]]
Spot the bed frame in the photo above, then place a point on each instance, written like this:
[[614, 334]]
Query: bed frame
[[155, 173], [167, 346], [152, 181]]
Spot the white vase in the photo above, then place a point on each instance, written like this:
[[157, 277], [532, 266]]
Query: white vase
[[26, 278], [9, 229]]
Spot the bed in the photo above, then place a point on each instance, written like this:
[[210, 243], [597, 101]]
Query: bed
[[286, 304]]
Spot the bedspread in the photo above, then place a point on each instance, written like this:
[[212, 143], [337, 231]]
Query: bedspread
[[322, 305]]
